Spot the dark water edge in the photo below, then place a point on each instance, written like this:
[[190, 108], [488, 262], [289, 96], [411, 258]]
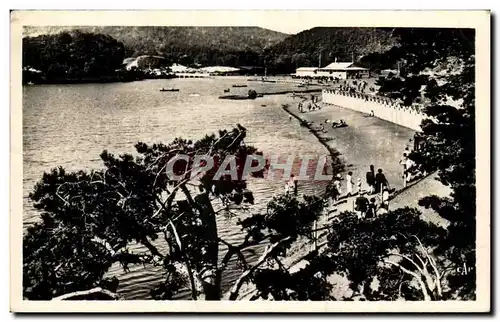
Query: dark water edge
[[92, 80], [136, 111]]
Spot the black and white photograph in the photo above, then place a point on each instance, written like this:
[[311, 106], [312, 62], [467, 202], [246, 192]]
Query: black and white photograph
[[183, 161]]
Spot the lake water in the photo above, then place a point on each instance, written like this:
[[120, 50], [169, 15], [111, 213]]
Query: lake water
[[70, 125]]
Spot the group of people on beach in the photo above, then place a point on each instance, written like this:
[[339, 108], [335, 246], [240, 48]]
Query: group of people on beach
[[378, 185], [375, 198], [410, 169], [312, 105], [354, 86]]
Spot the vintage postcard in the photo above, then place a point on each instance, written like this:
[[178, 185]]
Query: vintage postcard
[[250, 161]]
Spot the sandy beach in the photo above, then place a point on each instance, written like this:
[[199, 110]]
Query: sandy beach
[[366, 140], [370, 141]]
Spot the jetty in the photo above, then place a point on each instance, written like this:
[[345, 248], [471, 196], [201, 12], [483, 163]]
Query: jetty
[[193, 75]]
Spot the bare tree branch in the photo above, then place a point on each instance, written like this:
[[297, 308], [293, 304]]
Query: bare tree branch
[[437, 280], [242, 279], [194, 291], [423, 288], [97, 291], [410, 260]]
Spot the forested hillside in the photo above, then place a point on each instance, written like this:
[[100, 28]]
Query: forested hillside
[[204, 45], [343, 44], [73, 55], [97, 50]]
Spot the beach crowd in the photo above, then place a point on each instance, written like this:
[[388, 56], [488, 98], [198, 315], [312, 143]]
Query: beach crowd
[[371, 195]]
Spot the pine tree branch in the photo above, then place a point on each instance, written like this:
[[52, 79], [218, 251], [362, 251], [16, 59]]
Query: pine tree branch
[[242, 279], [433, 264], [97, 291], [194, 291], [410, 260], [423, 288]]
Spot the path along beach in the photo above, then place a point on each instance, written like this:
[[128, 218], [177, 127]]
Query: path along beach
[[365, 141]]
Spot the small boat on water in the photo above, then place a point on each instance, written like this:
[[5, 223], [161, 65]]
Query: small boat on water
[[240, 85], [226, 90], [169, 90]]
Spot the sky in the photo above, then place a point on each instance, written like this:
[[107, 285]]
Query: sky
[[287, 29]]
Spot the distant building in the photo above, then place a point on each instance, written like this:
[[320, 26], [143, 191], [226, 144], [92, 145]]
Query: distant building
[[332, 71], [220, 70], [178, 68], [306, 72], [143, 62], [128, 60], [252, 70], [132, 64]]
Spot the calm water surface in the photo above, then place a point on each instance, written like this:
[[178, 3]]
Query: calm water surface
[[70, 125]]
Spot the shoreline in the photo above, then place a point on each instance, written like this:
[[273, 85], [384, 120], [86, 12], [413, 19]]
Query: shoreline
[[283, 92], [296, 258], [312, 90], [323, 141], [333, 152], [91, 80]]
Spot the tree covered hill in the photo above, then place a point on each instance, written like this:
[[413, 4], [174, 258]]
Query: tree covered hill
[[141, 40], [229, 46], [342, 43], [73, 55]]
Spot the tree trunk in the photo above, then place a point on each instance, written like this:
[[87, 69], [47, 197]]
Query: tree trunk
[[211, 254]]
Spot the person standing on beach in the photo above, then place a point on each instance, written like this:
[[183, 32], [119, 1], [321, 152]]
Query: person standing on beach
[[349, 183], [292, 185], [409, 167], [370, 179], [417, 141], [358, 186], [361, 205], [404, 170], [371, 212], [336, 191], [385, 199], [295, 186], [380, 181]]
